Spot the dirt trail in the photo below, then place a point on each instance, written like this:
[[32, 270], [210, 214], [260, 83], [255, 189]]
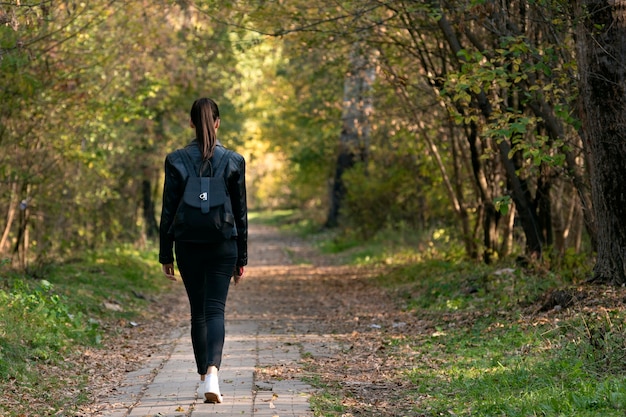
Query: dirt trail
[[341, 318], [335, 312], [311, 294]]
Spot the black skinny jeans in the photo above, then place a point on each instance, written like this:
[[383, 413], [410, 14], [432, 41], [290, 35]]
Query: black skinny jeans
[[206, 271]]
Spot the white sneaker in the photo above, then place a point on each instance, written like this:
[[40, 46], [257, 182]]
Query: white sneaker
[[201, 389], [212, 389]]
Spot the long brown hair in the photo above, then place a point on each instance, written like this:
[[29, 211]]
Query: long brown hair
[[204, 113]]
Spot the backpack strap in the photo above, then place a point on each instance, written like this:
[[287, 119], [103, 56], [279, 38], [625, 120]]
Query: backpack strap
[[221, 162], [187, 161]]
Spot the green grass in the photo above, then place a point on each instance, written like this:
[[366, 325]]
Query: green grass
[[273, 218], [488, 352], [59, 310], [516, 371], [287, 220], [324, 398], [494, 358], [443, 285]]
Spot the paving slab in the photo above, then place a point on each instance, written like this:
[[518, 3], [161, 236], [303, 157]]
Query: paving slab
[[167, 385]]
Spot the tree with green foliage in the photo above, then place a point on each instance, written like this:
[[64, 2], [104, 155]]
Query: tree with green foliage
[[94, 94], [504, 76], [465, 117]]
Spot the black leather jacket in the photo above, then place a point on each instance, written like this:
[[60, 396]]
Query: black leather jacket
[[175, 179]]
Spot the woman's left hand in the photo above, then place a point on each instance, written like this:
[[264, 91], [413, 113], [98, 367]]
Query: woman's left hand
[[238, 274]]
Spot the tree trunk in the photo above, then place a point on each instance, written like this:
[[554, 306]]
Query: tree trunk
[[543, 204], [20, 249], [601, 58], [12, 207], [490, 231], [353, 142], [462, 213], [508, 221], [151, 226], [487, 216]]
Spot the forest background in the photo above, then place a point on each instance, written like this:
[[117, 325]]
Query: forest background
[[485, 137], [478, 122]]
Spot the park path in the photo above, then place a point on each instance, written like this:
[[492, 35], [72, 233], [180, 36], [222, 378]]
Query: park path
[[269, 319]]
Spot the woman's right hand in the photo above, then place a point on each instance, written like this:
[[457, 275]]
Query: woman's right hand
[[168, 271]]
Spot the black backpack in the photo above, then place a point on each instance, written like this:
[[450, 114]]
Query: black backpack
[[205, 213]]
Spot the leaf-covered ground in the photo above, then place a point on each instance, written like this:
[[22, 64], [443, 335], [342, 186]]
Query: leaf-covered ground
[[289, 287]]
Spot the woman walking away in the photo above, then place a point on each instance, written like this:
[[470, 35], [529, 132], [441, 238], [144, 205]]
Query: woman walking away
[[209, 224]]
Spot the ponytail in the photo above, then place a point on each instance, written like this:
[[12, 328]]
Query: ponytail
[[204, 113]]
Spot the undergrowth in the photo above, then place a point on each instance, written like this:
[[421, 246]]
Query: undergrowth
[[49, 314]]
